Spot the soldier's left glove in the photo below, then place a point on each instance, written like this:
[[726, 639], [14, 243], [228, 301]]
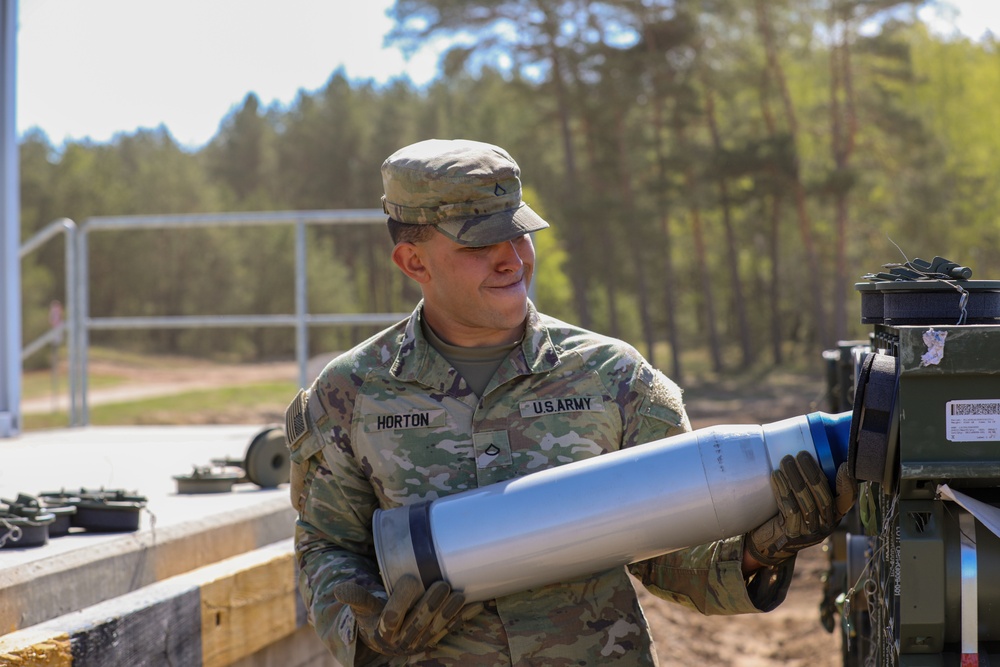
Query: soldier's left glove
[[411, 620], [807, 510]]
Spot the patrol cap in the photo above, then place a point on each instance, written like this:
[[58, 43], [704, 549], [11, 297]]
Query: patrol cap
[[469, 190]]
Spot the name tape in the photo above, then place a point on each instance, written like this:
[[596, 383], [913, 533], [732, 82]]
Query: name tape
[[548, 406]]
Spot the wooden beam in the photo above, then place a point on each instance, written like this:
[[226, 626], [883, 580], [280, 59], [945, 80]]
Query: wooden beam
[[210, 617], [243, 613]]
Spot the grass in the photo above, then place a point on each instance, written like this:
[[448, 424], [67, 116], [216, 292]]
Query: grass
[[245, 404], [38, 384]]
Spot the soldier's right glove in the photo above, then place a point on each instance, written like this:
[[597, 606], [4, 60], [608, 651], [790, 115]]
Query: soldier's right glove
[[407, 622], [807, 511]]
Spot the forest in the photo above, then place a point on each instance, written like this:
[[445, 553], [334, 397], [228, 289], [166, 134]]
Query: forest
[[718, 175]]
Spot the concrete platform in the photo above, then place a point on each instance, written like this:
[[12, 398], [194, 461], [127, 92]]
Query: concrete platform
[[177, 534], [240, 612]]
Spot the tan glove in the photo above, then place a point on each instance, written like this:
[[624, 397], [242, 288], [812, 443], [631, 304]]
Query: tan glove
[[807, 512], [407, 622]]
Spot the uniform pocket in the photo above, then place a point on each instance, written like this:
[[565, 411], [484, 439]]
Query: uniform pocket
[[661, 413], [492, 449]]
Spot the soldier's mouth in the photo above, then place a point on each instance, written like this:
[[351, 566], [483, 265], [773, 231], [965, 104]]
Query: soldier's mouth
[[516, 283]]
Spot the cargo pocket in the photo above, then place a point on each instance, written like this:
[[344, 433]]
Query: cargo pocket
[[660, 413]]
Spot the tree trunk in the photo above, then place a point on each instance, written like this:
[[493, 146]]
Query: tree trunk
[[774, 233], [732, 252], [774, 249], [669, 302], [705, 274], [813, 268], [579, 271], [633, 235], [610, 275], [843, 130]]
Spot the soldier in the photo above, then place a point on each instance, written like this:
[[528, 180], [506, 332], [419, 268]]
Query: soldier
[[437, 404]]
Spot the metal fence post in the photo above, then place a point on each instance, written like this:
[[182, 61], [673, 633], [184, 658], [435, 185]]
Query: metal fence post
[[301, 302], [82, 316], [10, 229], [72, 337]]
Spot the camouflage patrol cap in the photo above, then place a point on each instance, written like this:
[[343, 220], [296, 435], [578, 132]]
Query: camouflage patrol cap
[[469, 190]]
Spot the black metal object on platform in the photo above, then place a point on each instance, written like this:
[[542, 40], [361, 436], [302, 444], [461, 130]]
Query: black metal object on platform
[[266, 464], [207, 479], [100, 510], [922, 292], [24, 523]]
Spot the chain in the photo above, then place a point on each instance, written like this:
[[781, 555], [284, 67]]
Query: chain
[[873, 587], [883, 622], [13, 533]]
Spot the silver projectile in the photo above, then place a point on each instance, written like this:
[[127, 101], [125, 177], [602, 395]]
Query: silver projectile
[[607, 511]]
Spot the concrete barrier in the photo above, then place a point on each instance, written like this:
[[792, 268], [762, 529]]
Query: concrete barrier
[[207, 579], [218, 615]]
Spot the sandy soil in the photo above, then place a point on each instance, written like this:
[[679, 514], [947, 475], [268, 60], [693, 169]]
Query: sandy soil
[[790, 636]]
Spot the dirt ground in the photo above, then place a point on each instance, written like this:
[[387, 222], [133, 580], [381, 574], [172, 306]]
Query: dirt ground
[[790, 636]]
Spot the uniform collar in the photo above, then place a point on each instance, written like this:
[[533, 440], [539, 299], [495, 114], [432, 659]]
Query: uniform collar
[[417, 361]]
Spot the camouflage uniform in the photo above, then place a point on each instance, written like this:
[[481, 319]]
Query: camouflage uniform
[[391, 423]]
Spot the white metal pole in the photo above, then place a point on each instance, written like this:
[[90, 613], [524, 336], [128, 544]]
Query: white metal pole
[[72, 322], [301, 303], [10, 230], [82, 317]]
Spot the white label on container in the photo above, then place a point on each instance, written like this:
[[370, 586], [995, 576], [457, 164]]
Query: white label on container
[[973, 420]]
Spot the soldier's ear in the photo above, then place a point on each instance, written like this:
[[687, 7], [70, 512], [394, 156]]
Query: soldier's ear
[[410, 260]]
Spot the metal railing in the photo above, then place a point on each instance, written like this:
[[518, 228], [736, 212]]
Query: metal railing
[[80, 323], [54, 335]]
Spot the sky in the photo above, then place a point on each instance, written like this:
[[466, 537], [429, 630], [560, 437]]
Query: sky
[[89, 69], [93, 68]]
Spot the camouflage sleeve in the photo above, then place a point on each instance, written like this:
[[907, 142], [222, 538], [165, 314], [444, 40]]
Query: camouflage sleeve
[[709, 577], [333, 541]]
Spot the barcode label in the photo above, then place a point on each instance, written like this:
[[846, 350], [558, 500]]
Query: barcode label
[[973, 420], [975, 408]]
